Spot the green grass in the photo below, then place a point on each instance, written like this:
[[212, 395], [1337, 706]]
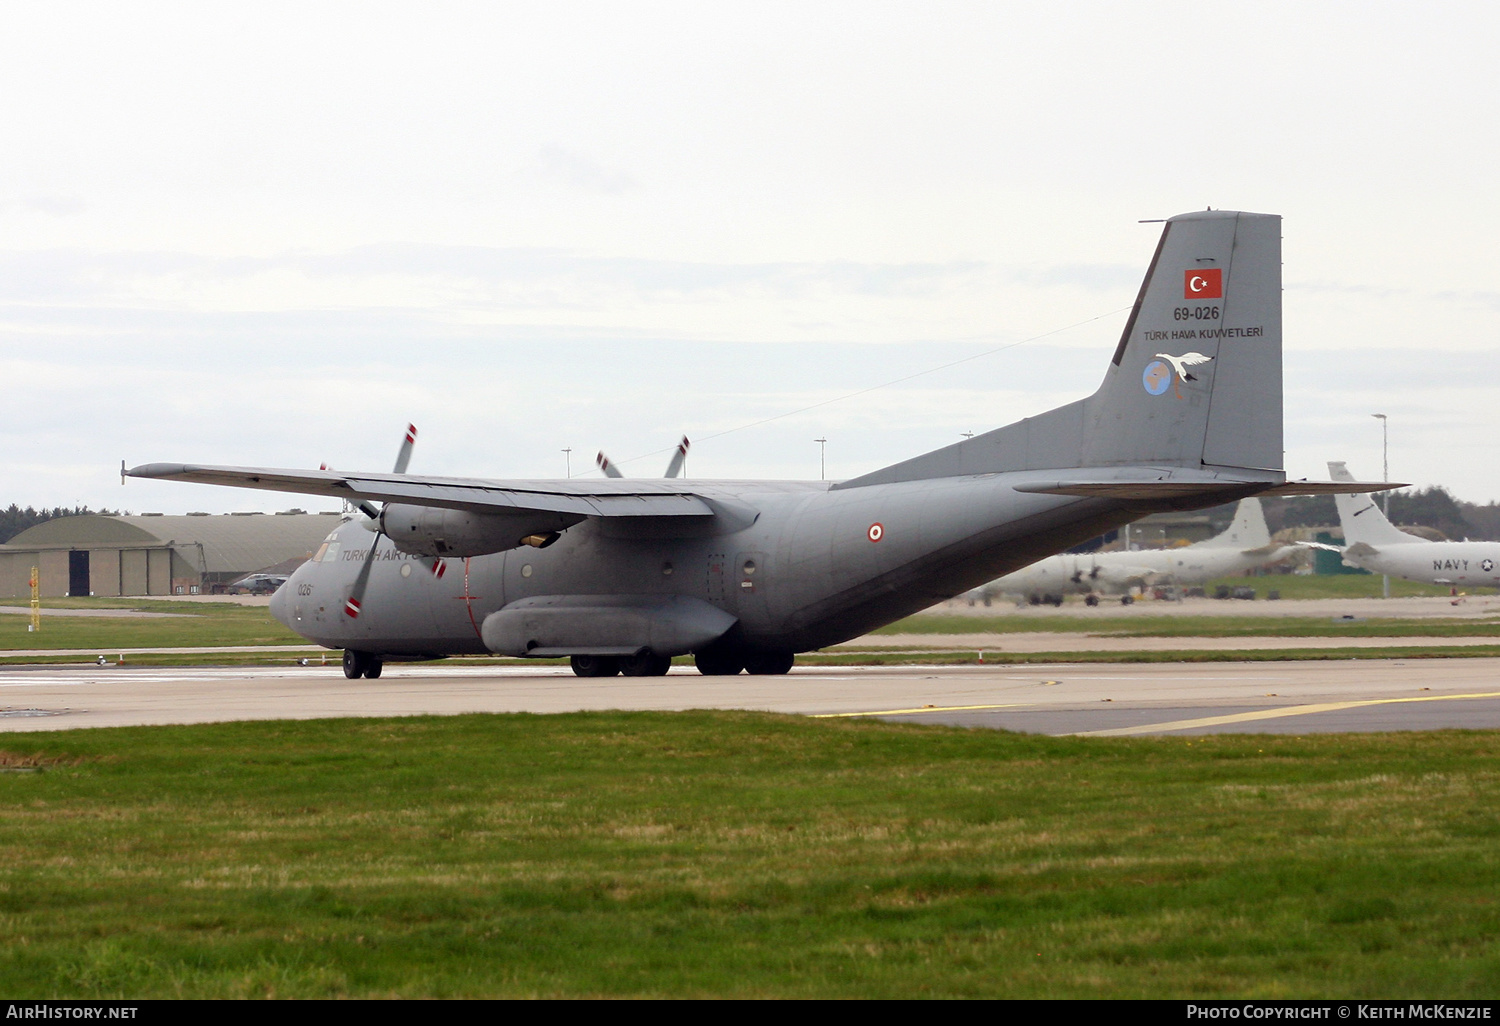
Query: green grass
[[226, 624], [1198, 626], [205, 623], [744, 855], [1334, 586], [967, 657], [1331, 586]]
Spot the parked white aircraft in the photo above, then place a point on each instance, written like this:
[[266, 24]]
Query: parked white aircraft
[[1246, 544], [1377, 545]]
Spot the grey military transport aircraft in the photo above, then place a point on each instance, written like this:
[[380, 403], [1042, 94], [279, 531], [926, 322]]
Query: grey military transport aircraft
[[623, 574]]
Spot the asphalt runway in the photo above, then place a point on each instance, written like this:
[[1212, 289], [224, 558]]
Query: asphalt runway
[[1092, 699]]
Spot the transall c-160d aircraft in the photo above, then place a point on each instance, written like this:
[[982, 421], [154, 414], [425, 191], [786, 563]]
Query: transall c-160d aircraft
[[623, 574]]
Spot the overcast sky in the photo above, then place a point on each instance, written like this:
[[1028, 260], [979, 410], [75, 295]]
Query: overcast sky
[[272, 234]]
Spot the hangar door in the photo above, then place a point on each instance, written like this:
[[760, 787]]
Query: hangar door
[[78, 573]]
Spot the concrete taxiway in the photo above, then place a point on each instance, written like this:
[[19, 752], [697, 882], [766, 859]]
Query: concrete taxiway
[[1096, 699]]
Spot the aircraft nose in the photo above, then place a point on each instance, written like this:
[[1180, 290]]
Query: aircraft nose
[[279, 604]]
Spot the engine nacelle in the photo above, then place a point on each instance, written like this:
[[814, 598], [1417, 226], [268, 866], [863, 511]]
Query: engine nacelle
[[433, 531]]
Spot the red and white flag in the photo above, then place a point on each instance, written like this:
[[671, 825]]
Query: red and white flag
[[1205, 284]]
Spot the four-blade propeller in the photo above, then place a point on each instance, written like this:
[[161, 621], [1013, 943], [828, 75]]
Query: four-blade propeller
[[674, 468], [372, 522]]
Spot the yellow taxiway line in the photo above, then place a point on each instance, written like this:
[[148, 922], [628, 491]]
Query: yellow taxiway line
[[1269, 714], [1150, 728]]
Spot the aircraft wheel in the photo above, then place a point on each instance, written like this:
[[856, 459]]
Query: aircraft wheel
[[373, 668], [769, 663], [355, 663], [1126, 600], [718, 662], [647, 665], [595, 666], [1092, 600]]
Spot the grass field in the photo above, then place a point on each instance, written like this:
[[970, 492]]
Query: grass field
[[971, 657], [1198, 626], [203, 623], [1332, 586], [224, 624], [744, 855]]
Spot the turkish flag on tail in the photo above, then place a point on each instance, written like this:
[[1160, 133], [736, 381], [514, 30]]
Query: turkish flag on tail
[[1205, 284]]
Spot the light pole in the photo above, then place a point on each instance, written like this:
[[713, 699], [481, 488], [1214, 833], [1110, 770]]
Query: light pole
[[568, 455], [1385, 496], [822, 461]]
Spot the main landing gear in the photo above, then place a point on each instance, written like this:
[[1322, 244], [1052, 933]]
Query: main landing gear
[[361, 664], [711, 662], [726, 662], [648, 664]]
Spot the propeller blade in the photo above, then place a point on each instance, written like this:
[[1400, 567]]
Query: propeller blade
[[674, 469], [610, 470], [403, 455], [354, 603], [357, 593]]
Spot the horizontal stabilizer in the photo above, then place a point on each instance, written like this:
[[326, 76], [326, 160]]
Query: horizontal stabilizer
[[1305, 487], [1180, 489], [1141, 489]]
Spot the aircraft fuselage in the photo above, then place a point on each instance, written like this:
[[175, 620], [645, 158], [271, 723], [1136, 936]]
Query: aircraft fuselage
[[1116, 571], [1460, 564], [799, 565]]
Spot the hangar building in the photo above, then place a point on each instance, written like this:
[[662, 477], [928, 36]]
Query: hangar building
[[155, 554]]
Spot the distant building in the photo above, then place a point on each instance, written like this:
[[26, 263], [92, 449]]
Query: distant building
[[153, 554]]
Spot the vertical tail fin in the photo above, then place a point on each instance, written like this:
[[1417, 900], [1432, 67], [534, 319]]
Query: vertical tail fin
[[1361, 518], [1195, 381], [1248, 531], [1196, 378]]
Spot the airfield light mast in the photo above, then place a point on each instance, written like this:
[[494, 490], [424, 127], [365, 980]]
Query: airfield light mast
[[822, 458], [1385, 497]]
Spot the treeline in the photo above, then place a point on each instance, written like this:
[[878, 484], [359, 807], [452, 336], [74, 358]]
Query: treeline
[[15, 520]]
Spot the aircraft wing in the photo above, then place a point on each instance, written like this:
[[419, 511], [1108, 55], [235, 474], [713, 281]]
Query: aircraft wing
[[608, 498], [1268, 552]]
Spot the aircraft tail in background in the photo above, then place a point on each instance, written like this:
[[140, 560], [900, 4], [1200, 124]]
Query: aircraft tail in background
[[1362, 519]]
